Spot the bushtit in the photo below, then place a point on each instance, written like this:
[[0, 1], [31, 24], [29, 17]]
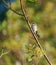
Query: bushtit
[[35, 29]]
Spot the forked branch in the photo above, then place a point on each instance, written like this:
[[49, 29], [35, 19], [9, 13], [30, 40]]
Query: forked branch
[[9, 7]]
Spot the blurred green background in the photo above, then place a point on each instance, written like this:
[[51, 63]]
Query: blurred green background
[[16, 37]]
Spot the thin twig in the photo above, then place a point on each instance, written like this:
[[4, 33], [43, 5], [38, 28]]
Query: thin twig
[[9, 7], [27, 21], [4, 53]]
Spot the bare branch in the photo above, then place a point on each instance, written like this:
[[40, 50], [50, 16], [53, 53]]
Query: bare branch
[[37, 42], [9, 7]]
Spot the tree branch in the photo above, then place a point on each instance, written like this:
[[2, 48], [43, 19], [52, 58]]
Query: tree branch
[[37, 42], [10, 3], [4, 53], [29, 25], [9, 7]]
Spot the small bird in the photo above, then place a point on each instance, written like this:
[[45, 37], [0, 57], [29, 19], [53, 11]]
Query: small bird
[[35, 29]]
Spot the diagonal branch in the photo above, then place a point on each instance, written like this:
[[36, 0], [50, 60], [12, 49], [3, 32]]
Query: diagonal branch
[[9, 7], [37, 42]]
